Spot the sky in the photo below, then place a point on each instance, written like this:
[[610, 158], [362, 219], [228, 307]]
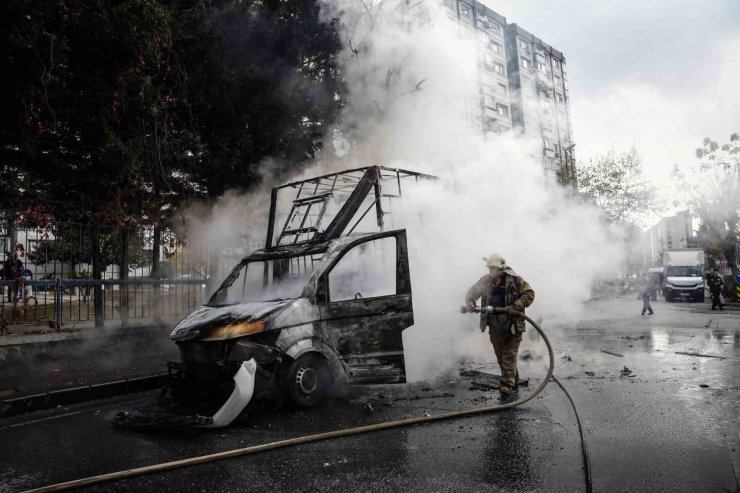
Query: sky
[[659, 75]]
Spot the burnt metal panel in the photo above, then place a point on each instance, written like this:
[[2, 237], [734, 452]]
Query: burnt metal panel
[[367, 334]]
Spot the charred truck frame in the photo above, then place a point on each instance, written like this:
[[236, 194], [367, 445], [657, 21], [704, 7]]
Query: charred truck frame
[[320, 305]]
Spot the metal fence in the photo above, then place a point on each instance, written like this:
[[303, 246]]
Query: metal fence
[[70, 303]]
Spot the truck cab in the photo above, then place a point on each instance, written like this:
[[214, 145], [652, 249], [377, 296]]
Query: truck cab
[[684, 274], [320, 306]]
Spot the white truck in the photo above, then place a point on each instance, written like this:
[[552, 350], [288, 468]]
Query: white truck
[[684, 274]]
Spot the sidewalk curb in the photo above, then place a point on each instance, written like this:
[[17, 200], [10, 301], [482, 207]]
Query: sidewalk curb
[[75, 395], [82, 334]]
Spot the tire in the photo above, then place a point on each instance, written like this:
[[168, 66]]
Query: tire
[[307, 380], [669, 299], [700, 298]]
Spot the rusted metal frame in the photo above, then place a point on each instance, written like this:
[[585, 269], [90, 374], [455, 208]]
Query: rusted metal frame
[[287, 221], [378, 205], [303, 222], [270, 231], [321, 213], [313, 198], [362, 217], [284, 251], [347, 174], [292, 232], [353, 203]]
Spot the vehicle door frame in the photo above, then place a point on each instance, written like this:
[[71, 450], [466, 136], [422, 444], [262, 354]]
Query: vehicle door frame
[[389, 314]]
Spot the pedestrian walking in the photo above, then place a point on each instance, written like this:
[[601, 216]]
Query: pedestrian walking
[[503, 288], [643, 289], [715, 289]]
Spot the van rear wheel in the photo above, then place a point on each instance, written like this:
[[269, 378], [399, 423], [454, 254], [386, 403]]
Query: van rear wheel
[[307, 380]]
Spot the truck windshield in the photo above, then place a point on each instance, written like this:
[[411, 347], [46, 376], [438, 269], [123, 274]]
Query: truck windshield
[[683, 271], [266, 280]]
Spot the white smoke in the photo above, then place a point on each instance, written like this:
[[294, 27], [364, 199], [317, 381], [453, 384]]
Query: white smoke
[[413, 87]]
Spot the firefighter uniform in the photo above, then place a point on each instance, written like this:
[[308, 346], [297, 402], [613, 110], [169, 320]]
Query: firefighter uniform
[[503, 288]]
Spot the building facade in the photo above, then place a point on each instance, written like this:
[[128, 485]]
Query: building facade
[[523, 84], [670, 233]]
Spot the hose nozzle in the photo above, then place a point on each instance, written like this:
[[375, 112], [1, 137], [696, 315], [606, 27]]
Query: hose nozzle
[[482, 309]]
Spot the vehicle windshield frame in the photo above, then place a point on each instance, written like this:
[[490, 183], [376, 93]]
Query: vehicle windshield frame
[[234, 275], [685, 268]]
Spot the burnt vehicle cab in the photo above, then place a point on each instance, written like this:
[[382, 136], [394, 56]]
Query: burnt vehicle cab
[[296, 319]]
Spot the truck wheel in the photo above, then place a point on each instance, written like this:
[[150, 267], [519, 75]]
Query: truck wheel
[[307, 380]]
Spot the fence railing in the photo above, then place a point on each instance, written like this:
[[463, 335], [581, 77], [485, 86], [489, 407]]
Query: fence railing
[[58, 303]]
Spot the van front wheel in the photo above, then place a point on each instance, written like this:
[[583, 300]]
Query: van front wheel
[[307, 380]]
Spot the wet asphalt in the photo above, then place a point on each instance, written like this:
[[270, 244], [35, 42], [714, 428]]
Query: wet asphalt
[[668, 422]]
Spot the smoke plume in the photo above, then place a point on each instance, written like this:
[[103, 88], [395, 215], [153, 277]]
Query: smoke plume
[[412, 79], [413, 86]]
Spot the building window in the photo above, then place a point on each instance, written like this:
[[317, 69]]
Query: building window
[[489, 60], [488, 101], [498, 68], [493, 26], [496, 47], [558, 82], [503, 89], [523, 44], [526, 63], [502, 110], [546, 142], [465, 10], [540, 66], [560, 97]]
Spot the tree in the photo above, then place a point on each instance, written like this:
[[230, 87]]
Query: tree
[[262, 82], [615, 183], [713, 192], [117, 112]]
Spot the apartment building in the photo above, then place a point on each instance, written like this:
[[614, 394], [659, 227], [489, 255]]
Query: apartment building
[[523, 84]]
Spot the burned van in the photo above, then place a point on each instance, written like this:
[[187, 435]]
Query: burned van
[[319, 308]]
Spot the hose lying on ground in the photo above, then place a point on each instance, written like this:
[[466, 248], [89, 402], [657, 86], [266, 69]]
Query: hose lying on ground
[[192, 461]]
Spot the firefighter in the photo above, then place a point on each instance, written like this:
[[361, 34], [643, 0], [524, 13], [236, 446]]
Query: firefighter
[[503, 288]]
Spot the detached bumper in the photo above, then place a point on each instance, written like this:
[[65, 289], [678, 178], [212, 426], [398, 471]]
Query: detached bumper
[[240, 397]]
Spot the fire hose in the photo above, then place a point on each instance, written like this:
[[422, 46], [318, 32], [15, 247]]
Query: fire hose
[[254, 449]]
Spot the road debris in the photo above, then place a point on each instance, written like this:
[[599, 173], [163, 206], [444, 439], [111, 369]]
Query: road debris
[[626, 372], [612, 353], [482, 386], [700, 355], [153, 417], [590, 373], [703, 385], [632, 338]]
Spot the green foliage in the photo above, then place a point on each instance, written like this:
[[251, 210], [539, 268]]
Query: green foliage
[[73, 246], [713, 192], [116, 112], [615, 183]]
